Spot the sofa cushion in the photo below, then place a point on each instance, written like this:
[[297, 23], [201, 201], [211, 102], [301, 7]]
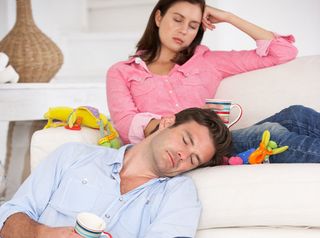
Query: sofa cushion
[[259, 195], [45, 141], [259, 232]]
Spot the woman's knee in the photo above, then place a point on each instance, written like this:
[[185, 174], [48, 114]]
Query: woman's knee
[[295, 109]]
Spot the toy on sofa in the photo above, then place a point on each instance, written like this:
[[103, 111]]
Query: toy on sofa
[[73, 119], [260, 155]]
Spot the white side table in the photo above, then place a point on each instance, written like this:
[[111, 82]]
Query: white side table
[[29, 101]]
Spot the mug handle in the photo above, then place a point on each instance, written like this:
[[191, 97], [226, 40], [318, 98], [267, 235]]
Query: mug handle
[[238, 117], [106, 235]]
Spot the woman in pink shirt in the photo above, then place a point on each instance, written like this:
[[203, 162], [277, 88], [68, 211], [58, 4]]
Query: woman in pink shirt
[[172, 71]]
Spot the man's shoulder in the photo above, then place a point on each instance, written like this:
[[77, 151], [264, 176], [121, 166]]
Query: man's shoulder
[[75, 152], [82, 147], [180, 182]]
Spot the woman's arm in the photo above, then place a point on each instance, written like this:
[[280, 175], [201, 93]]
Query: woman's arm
[[151, 127], [131, 124], [272, 49], [214, 15]]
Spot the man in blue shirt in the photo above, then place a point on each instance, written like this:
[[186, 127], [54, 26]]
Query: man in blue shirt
[[137, 190]]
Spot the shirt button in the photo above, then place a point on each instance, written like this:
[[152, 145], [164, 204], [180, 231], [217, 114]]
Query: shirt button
[[84, 181], [137, 60], [107, 216], [170, 91], [121, 199], [166, 80], [177, 105]]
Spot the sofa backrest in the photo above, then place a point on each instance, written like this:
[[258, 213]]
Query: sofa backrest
[[262, 93]]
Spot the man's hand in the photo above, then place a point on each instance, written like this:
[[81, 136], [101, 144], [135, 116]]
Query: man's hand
[[54, 232], [19, 225]]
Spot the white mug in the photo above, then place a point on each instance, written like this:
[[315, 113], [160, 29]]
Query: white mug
[[89, 225], [224, 108]]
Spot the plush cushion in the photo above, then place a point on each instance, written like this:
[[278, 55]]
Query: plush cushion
[[46, 140], [259, 232], [259, 195]]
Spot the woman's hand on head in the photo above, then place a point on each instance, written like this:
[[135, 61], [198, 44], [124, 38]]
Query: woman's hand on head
[[212, 16]]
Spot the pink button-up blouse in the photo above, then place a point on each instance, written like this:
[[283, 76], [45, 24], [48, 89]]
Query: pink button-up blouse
[[135, 95]]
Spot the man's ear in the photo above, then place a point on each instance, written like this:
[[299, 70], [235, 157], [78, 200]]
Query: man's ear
[[167, 121], [158, 17]]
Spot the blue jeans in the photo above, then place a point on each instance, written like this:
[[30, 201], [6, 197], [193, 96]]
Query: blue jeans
[[296, 126]]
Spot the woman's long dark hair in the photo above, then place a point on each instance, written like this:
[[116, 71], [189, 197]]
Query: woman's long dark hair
[[149, 45]]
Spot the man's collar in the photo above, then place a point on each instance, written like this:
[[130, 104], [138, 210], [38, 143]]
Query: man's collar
[[119, 156]]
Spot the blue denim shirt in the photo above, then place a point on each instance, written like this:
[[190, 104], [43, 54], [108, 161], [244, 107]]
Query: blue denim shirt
[[78, 178]]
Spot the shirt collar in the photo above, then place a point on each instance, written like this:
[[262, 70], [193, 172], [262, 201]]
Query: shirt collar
[[117, 159], [131, 60], [185, 69], [138, 62]]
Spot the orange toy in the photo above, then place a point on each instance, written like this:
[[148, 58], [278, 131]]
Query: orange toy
[[267, 147]]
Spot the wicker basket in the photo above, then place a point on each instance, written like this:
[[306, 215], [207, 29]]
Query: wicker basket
[[34, 56]]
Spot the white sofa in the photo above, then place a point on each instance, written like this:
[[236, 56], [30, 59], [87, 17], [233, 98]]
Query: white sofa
[[251, 201]]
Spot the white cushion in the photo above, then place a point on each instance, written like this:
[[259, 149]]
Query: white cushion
[[259, 195], [259, 232], [45, 141]]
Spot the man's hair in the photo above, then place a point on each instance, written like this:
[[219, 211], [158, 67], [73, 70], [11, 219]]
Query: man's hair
[[219, 133], [149, 45]]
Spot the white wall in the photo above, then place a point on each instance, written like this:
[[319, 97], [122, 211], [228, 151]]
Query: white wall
[[300, 18]]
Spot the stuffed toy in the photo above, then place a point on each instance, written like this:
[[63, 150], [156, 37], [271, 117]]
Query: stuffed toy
[[73, 119], [260, 155]]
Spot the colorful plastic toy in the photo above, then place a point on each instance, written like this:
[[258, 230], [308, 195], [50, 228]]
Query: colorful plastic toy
[[260, 155], [73, 119]]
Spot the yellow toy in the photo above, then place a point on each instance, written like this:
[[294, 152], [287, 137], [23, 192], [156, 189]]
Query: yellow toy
[[72, 119]]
